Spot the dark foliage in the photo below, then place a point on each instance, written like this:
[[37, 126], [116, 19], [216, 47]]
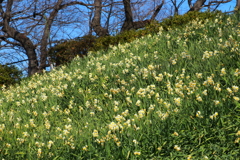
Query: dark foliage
[[9, 75], [66, 51]]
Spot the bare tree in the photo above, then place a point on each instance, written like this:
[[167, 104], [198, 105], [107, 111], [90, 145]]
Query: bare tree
[[109, 15], [177, 6], [27, 25], [20, 19], [22, 39], [96, 21], [199, 4], [129, 23], [113, 9]]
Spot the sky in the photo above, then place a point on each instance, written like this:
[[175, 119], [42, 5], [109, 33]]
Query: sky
[[227, 6]]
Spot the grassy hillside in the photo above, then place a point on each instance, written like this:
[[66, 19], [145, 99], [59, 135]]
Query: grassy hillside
[[174, 95]]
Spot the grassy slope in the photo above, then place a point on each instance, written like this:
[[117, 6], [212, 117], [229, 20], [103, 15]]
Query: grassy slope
[[171, 95]]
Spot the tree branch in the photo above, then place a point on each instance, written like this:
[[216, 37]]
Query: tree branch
[[189, 3], [198, 5], [212, 3], [158, 8], [4, 38]]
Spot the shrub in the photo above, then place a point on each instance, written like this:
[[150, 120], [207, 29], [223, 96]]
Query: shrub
[[181, 20], [152, 28], [66, 51], [9, 75]]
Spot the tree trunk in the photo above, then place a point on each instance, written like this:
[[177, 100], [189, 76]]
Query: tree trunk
[[237, 5], [140, 24], [25, 42], [128, 23], [157, 10], [45, 36], [96, 22], [197, 6], [43, 50], [27, 45]]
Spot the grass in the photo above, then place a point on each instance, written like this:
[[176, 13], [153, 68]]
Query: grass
[[173, 95]]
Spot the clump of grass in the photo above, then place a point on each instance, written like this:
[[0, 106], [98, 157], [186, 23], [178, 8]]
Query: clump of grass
[[171, 95]]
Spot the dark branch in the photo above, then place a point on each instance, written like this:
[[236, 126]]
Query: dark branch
[[158, 8], [212, 3]]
